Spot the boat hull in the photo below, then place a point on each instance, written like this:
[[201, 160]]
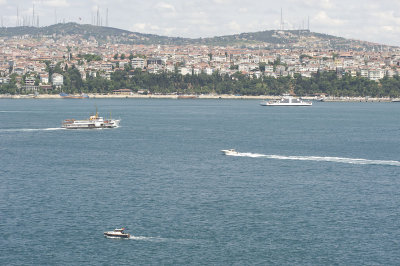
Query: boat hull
[[87, 127], [187, 97], [286, 104], [229, 152], [111, 235], [287, 100], [88, 124], [69, 96]]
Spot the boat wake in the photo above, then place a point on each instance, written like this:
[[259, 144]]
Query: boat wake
[[160, 239], [30, 129], [320, 159], [152, 239], [148, 238], [115, 237], [15, 111]]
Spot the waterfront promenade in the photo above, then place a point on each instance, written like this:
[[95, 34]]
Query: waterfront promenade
[[205, 96]]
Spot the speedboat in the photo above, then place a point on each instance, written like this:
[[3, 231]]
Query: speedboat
[[287, 100], [117, 233], [230, 152]]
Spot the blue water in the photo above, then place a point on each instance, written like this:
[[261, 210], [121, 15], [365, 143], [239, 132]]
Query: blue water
[[311, 185]]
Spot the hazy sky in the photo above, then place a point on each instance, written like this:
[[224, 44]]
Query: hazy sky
[[370, 20]]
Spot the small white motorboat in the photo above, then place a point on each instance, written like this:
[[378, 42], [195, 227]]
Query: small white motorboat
[[230, 152], [117, 233]]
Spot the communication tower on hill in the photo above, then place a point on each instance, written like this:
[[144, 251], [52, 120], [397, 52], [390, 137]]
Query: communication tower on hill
[[107, 18]]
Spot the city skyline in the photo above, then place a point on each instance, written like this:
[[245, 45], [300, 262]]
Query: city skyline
[[362, 20]]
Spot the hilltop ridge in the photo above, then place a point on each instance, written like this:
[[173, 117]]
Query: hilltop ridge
[[273, 38]]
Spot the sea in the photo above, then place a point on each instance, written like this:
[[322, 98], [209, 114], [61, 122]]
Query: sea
[[315, 185]]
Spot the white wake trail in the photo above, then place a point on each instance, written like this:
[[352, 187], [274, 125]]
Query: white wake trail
[[14, 111], [320, 159], [30, 129], [148, 238], [160, 239]]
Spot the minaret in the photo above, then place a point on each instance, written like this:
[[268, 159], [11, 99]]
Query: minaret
[[281, 20]]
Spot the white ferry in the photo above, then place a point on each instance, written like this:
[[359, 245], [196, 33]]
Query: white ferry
[[117, 233], [94, 121], [287, 101]]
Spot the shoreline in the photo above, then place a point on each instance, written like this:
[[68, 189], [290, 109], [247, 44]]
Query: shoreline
[[141, 96], [206, 96]]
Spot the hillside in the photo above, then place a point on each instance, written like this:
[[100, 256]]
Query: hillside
[[302, 39], [101, 34]]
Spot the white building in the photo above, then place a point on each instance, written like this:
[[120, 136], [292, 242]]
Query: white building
[[269, 68], [108, 67], [44, 78], [138, 62], [208, 71], [219, 59], [185, 71], [57, 79], [30, 84], [30, 81], [196, 71], [364, 73], [106, 75], [376, 74], [5, 80]]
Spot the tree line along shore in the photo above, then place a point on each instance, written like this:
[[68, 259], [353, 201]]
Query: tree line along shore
[[329, 83]]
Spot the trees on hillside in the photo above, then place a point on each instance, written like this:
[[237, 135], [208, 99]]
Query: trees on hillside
[[328, 83]]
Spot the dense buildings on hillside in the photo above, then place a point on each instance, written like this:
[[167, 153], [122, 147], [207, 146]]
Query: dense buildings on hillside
[[29, 60]]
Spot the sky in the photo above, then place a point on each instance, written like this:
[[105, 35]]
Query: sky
[[368, 20]]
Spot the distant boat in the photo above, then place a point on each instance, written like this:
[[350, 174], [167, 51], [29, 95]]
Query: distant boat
[[230, 152], [396, 101], [187, 97], [287, 101], [70, 96], [94, 121], [117, 233]]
